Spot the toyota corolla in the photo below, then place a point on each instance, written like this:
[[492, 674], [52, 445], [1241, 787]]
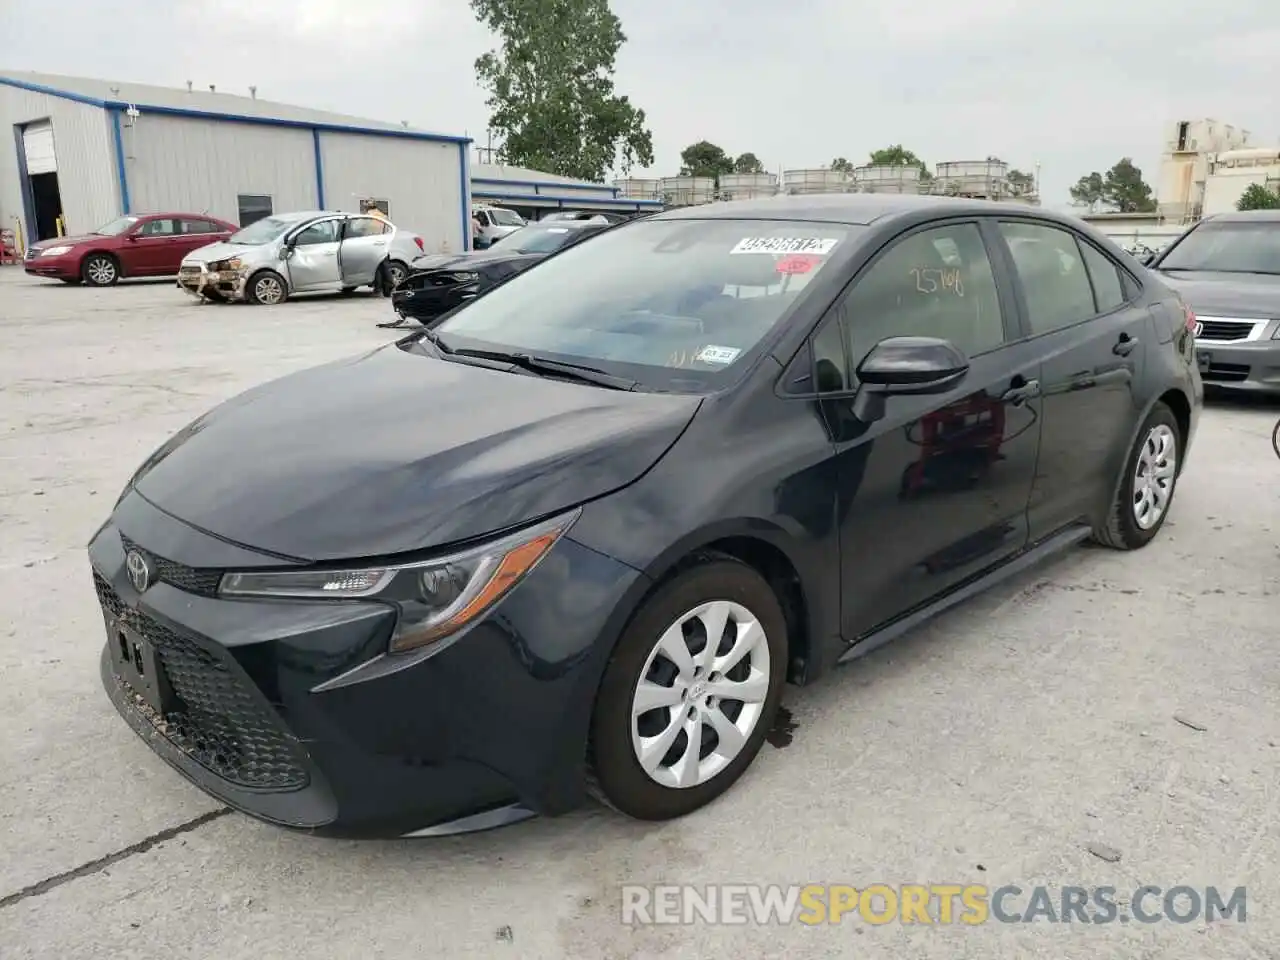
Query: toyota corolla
[[577, 537]]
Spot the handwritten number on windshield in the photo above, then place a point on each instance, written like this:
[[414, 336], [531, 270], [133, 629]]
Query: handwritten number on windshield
[[933, 280]]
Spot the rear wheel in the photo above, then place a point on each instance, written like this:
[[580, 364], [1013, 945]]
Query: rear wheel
[[690, 692], [267, 287], [1147, 486], [100, 270]]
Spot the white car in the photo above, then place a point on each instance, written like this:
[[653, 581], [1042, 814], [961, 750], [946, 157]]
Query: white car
[[310, 252]]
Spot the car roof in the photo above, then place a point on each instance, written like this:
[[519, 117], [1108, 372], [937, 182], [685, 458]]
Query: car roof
[[852, 208], [1246, 216]]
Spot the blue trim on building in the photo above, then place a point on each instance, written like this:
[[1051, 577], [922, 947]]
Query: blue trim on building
[[24, 182], [464, 184], [234, 117], [61, 94], [539, 184], [315, 140], [121, 172], [516, 198]]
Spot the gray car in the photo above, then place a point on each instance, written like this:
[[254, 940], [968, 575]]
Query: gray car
[[314, 251], [1227, 269]]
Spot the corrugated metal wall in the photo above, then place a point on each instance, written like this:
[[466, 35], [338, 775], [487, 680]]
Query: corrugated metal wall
[[87, 179], [421, 179], [190, 165]]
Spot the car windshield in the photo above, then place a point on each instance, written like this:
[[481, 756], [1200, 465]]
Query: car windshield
[[672, 304], [506, 218], [262, 231], [1227, 247], [116, 227], [538, 239]]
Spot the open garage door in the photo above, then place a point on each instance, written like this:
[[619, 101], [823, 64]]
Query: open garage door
[[44, 200], [37, 143]]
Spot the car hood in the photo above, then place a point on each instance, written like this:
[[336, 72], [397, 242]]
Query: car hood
[[392, 452], [219, 251], [467, 260], [68, 241], [1227, 294]]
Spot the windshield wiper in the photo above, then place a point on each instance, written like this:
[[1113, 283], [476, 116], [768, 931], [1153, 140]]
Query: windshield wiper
[[572, 371]]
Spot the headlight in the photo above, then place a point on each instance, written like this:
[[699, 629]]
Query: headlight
[[465, 277], [436, 597], [235, 263], [54, 251]]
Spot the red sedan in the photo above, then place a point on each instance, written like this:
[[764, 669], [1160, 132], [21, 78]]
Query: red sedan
[[150, 245]]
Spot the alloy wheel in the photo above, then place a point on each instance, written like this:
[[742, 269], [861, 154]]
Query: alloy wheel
[[101, 271], [395, 273], [1154, 476], [700, 695], [268, 290]]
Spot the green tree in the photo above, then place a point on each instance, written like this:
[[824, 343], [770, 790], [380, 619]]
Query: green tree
[[704, 159], [899, 156], [841, 165], [748, 163], [1124, 189], [551, 92], [1088, 191], [1258, 197], [1022, 183]]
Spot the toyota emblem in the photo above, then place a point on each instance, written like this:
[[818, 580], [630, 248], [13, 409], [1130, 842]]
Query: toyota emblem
[[135, 564]]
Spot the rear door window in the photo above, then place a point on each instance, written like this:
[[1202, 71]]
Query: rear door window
[[1108, 289], [1055, 282]]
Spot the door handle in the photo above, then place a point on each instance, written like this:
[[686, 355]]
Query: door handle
[[1124, 346], [1021, 391], [379, 243]]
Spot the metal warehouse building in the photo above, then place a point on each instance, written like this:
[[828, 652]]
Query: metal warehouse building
[[532, 193], [85, 151]]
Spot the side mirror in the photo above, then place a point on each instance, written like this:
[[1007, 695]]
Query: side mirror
[[286, 251], [131, 237], [906, 365]]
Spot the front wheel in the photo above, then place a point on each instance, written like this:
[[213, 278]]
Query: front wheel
[[100, 270], [396, 272], [1147, 486], [690, 692], [267, 287]]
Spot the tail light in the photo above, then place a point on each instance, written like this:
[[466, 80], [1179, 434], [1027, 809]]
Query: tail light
[[421, 246]]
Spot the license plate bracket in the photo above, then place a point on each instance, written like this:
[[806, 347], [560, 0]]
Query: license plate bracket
[[1204, 360], [137, 664]]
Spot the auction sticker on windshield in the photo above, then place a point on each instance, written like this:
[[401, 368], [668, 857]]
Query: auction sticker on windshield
[[720, 356], [819, 246]]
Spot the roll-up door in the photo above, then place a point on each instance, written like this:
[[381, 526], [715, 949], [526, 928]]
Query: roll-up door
[[37, 143]]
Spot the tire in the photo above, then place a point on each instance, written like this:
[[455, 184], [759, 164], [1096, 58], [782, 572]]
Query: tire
[[266, 287], [614, 771], [1155, 454], [396, 271], [100, 270]]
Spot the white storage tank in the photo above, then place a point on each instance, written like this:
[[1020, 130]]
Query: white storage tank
[[887, 178], [687, 191], [972, 178], [815, 180], [639, 189], [748, 186]]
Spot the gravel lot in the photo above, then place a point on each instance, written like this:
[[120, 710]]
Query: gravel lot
[[992, 746]]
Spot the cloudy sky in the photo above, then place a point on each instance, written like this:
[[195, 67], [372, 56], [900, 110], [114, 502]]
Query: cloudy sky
[[1073, 85]]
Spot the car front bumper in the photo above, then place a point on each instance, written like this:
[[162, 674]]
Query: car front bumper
[[261, 709], [199, 281], [64, 267], [1252, 366], [425, 305]]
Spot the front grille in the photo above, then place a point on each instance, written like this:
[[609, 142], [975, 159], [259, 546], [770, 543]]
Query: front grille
[[1225, 330], [201, 580], [1226, 373], [219, 721], [189, 270]]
